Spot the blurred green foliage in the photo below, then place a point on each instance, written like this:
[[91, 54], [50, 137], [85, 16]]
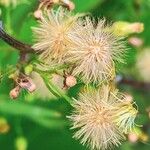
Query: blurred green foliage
[[43, 123]]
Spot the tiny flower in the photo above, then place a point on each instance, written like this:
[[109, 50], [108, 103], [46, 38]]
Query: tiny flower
[[14, 93], [52, 35], [122, 28], [97, 118], [133, 137], [70, 81], [38, 14], [28, 84], [135, 41], [94, 51]]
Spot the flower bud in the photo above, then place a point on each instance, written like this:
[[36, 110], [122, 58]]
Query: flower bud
[[122, 28], [135, 41], [14, 93], [133, 137], [28, 69], [70, 81], [27, 84], [71, 6], [38, 14], [136, 27]]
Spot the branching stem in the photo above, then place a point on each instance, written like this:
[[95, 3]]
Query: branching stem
[[22, 47]]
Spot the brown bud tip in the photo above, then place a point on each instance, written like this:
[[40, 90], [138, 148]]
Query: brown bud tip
[[70, 81], [133, 138], [28, 84], [14, 93], [135, 41], [38, 14]]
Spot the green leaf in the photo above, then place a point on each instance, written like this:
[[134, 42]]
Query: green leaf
[[40, 115]]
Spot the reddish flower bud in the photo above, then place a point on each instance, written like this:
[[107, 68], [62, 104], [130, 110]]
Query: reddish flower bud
[[135, 41], [14, 93], [132, 137], [70, 81], [38, 14]]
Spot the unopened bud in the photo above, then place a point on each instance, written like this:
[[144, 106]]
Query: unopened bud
[[133, 137], [122, 28], [70, 81], [28, 69], [38, 14], [27, 84], [135, 41], [136, 27], [14, 93], [71, 6]]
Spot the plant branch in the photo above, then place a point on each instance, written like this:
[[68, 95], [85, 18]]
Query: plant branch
[[134, 83], [56, 90], [22, 47]]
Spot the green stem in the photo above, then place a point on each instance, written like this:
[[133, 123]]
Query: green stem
[[52, 70], [55, 90]]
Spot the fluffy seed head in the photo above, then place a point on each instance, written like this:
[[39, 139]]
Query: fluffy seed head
[[97, 120], [94, 51], [52, 35]]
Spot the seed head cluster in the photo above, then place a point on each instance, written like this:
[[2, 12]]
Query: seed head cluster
[[92, 48], [100, 117]]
